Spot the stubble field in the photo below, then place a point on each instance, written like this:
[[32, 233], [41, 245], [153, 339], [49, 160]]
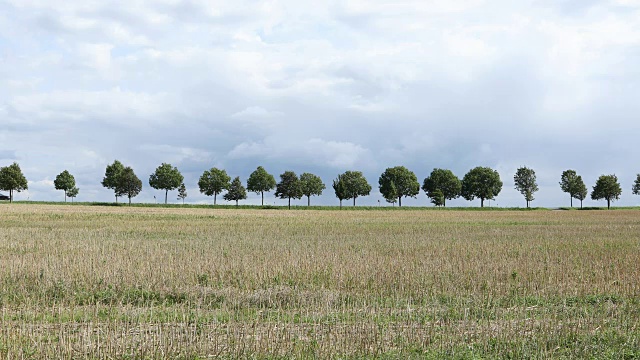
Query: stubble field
[[117, 282]]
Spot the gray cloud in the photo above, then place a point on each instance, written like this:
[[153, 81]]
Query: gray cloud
[[320, 87]]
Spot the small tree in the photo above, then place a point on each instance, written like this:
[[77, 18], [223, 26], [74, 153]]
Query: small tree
[[110, 180], [404, 181], [580, 190], [481, 182], [437, 198], [236, 191], [12, 179], [166, 177], [443, 183], [72, 193], [182, 193], [391, 193], [260, 181], [129, 184], [289, 187], [571, 183], [525, 182], [213, 182], [311, 185], [65, 182], [355, 185], [338, 188], [608, 188], [636, 186]]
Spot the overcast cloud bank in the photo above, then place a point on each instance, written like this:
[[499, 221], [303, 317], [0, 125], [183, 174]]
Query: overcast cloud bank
[[346, 85]]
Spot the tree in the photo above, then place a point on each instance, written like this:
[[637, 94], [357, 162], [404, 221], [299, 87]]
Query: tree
[[72, 193], [404, 181], [128, 184], [260, 181], [236, 191], [166, 177], [525, 182], [636, 186], [355, 184], [391, 193], [442, 182], [110, 180], [437, 198], [608, 188], [338, 188], [12, 179], [569, 184], [65, 182], [580, 190], [481, 182], [182, 192], [289, 187], [213, 182], [311, 185]]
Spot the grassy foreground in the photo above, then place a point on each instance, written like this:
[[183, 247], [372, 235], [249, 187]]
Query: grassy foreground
[[118, 282]]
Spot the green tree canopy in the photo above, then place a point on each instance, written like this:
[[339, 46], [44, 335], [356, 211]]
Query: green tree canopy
[[213, 182], [65, 182], [289, 187], [569, 183], [166, 177], [72, 193], [391, 193], [525, 182], [12, 179], [110, 180], [437, 197], [339, 189], [404, 181], [580, 190], [182, 192], [236, 191], [481, 182], [129, 184], [636, 186], [355, 185], [311, 185], [442, 184], [608, 188], [260, 181]]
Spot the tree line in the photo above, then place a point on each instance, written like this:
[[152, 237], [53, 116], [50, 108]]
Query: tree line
[[395, 183]]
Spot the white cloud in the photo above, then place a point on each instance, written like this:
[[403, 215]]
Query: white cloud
[[330, 85]]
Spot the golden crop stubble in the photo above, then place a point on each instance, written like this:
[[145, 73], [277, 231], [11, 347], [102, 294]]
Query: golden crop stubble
[[302, 269]]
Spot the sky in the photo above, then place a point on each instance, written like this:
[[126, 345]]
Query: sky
[[320, 87]]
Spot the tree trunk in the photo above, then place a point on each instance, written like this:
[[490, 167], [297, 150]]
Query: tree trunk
[[10, 196], [354, 200], [308, 201], [481, 202], [580, 204], [116, 199], [166, 192], [262, 192], [444, 202], [289, 203], [399, 201], [65, 195], [236, 203], [129, 200], [608, 204], [340, 204], [215, 194], [572, 200]]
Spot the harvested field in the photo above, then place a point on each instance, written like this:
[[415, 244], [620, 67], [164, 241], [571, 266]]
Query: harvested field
[[118, 282]]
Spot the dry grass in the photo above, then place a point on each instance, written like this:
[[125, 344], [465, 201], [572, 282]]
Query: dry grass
[[102, 282]]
